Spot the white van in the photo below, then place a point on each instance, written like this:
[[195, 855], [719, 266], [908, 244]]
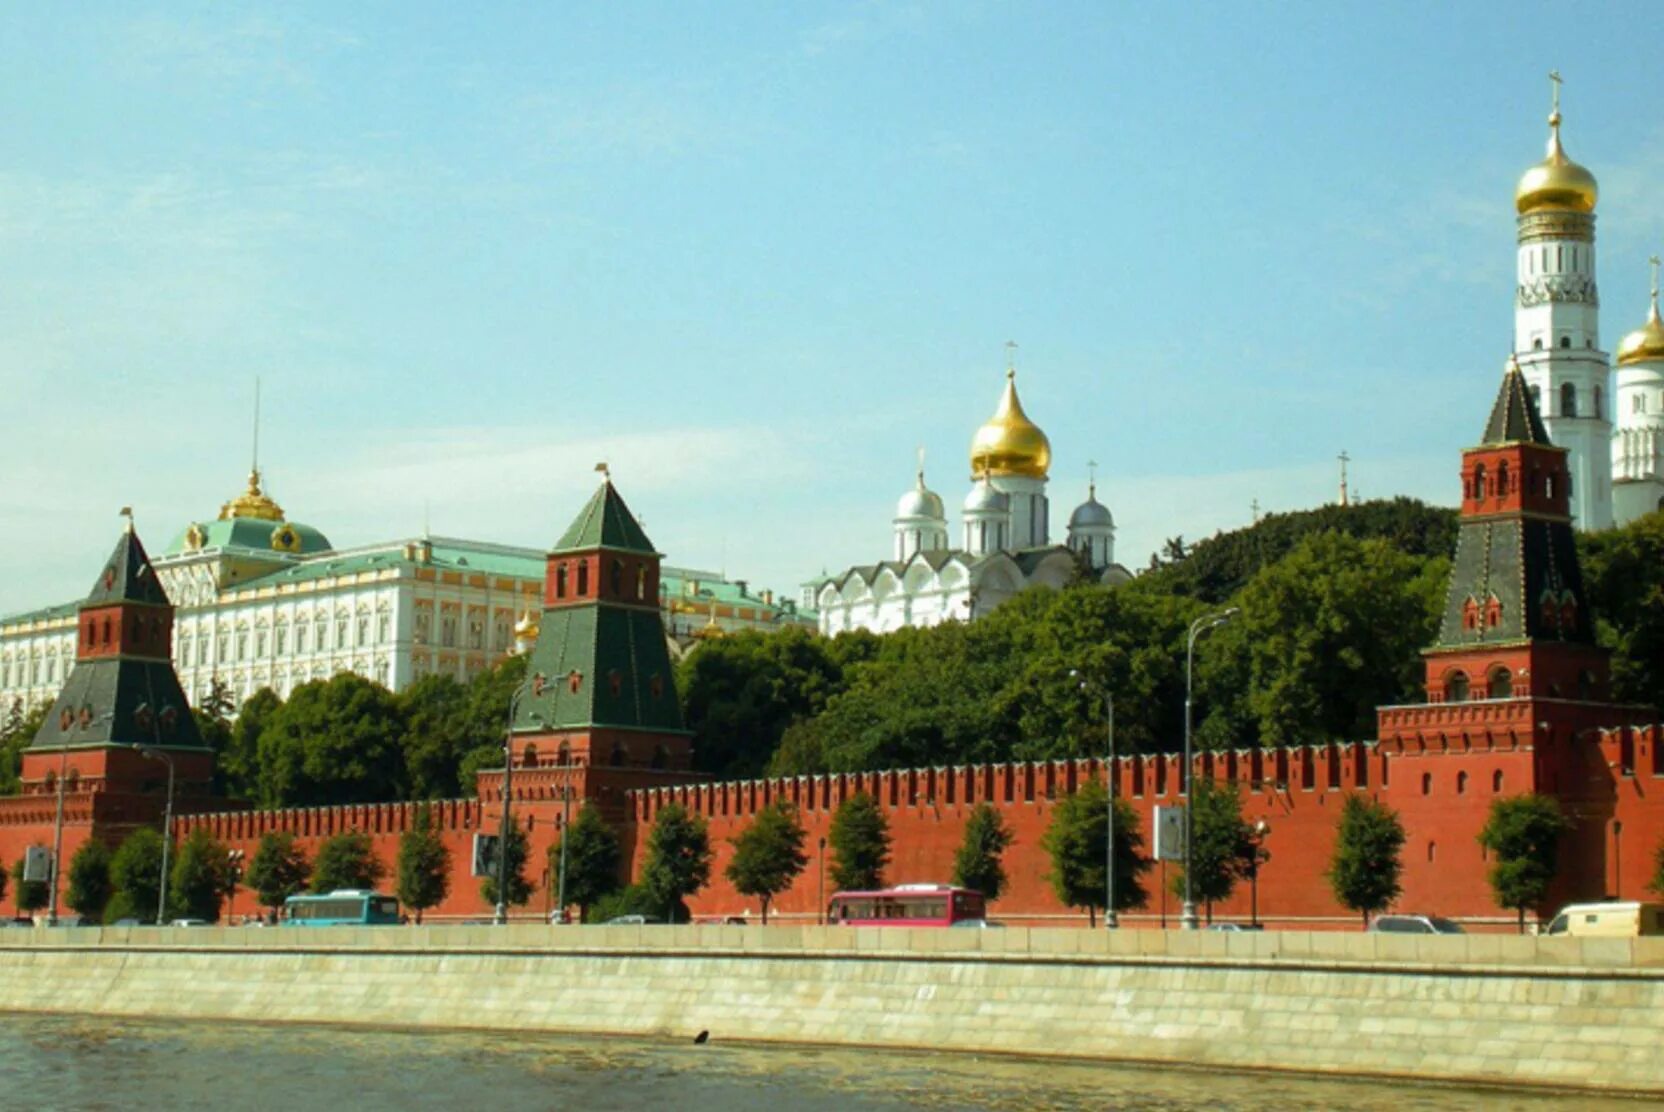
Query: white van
[[1608, 920]]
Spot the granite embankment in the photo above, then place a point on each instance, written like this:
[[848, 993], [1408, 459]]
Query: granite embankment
[[1526, 1011]]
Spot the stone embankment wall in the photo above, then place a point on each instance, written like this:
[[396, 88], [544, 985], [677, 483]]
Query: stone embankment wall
[[1518, 1011]]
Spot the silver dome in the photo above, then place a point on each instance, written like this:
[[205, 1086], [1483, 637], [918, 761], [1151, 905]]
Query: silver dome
[[983, 498], [1091, 514]]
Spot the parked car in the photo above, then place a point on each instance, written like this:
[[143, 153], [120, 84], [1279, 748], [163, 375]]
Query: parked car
[[189, 923], [1236, 926], [978, 924], [632, 920], [1614, 919], [1414, 924], [126, 923]]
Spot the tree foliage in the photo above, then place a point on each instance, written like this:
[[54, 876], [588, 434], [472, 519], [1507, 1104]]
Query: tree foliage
[[279, 869], [1221, 844], [136, 872], [90, 886], [1077, 841], [593, 856], [516, 851], [768, 854], [978, 862], [335, 741], [1522, 836], [18, 727], [346, 860], [199, 877], [860, 840], [1623, 573], [678, 860], [1367, 864], [436, 736], [423, 869]]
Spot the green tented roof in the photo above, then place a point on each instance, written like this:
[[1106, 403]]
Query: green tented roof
[[605, 522], [618, 658], [127, 577]]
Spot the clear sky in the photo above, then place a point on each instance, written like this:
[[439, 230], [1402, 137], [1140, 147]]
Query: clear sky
[[754, 257]]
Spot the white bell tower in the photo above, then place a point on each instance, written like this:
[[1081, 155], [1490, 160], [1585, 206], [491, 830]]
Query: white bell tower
[[1557, 321]]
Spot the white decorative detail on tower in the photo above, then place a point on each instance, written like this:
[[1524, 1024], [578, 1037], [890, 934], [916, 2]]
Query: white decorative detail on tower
[[921, 521], [987, 513], [1638, 444], [1557, 320]]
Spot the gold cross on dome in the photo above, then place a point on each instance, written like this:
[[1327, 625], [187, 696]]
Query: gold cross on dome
[[1554, 79], [1654, 261], [1011, 355]]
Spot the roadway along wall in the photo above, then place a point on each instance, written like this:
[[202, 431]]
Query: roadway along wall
[[1524, 1011]]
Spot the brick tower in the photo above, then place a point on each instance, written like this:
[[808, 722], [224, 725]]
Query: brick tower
[[1516, 685], [598, 709]]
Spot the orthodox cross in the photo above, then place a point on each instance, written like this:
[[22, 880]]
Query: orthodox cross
[[1344, 460], [1091, 478], [1011, 357], [1254, 508], [1654, 261], [1554, 79], [921, 465]]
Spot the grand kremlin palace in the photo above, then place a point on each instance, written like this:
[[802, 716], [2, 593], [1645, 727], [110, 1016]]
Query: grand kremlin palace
[[264, 601]]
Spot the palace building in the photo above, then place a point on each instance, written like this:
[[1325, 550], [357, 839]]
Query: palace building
[[266, 601]]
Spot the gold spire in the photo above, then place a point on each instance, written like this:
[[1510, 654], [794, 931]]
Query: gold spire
[[1010, 444], [252, 503], [1556, 183], [1645, 344]]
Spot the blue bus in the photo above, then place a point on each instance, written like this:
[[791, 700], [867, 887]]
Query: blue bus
[[346, 907]]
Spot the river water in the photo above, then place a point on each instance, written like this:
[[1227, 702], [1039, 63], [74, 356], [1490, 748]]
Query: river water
[[57, 1062]]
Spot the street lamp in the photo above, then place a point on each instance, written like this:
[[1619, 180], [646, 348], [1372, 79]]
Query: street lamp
[[1187, 916], [821, 914], [1111, 921], [167, 829], [234, 867], [565, 834], [533, 684], [1257, 858]]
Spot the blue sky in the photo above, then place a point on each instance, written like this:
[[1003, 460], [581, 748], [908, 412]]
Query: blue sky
[[755, 257]]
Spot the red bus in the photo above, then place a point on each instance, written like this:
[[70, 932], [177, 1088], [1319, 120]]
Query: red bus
[[906, 905]]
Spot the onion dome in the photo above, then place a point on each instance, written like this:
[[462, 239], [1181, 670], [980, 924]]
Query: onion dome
[[252, 503], [1010, 444], [526, 630], [1091, 513], [1645, 344], [1556, 183], [985, 499], [921, 501]]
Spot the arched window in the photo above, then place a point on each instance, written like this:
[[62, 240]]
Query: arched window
[[1565, 341], [1461, 783], [1496, 781], [617, 578], [1456, 688], [564, 754], [1426, 783], [1568, 399], [583, 578], [1586, 685], [619, 757], [1479, 481], [560, 581], [661, 757], [1502, 684], [641, 582], [1537, 344], [1502, 478], [528, 757], [1432, 850]]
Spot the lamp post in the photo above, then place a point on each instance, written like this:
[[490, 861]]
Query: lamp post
[[167, 829], [234, 864], [1187, 916], [1255, 860], [533, 684], [821, 914], [565, 832], [1111, 920], [58, 835]]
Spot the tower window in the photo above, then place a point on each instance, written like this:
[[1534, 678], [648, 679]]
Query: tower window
[[1479, 482], [583, 578], [1638, 404], [1568, 399], [1496, 781], [1502, 684], [1461, 783], [560, 581], [1456, 688], [1537, 344], [1565, 341]]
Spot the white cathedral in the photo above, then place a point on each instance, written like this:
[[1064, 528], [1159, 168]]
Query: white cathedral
[[1005, 540], [1617, 473]]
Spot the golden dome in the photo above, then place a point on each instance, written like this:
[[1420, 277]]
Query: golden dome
[[252, 503], [1556, 183], [526, 629], [1646, 343], [1010, 444]]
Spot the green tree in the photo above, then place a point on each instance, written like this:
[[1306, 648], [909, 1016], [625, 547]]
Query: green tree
[[279, 869], [90, 886], [593, 856], [17, 731], [1522, 835], [678, 860], [32, 895], [860, 840], [1077, 840], [136, 872], [1366, 866], [1222, 844], [1656, 885], [5, 878], [978, 862], [742, 692], [335, 741], [346, 860], [201, 876], [768, 854], [519, 888], [1623, 574], [238, 767], [435, 735], [424, 865]]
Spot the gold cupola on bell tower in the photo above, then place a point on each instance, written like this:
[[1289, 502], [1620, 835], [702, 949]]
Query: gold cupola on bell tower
[[1556, 183]]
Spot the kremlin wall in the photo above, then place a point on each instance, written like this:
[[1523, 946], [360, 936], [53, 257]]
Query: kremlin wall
[[1516, 702]]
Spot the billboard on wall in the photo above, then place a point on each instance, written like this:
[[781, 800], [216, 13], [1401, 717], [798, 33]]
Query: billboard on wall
[[1169, 830], [485, 855]]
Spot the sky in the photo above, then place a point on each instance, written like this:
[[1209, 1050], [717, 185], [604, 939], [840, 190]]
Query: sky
[[756, 257]]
